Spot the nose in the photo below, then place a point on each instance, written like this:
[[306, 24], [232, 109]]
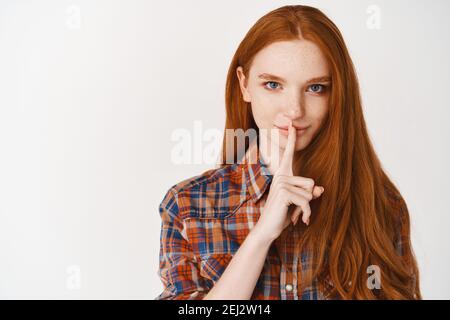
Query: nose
[[295, 107]]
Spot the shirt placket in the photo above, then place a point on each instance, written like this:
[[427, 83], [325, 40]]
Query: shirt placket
[[288, 274]]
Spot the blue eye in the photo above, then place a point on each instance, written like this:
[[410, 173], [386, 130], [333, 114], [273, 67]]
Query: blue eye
[[270, 87], [316, 88]]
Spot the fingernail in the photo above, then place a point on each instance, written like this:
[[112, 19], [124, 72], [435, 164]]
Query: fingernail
[[307, 222], [323, 189]]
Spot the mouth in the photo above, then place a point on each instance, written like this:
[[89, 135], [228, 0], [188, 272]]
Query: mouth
[[285, 130]]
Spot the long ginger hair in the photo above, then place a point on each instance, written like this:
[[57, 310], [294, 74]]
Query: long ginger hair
[[357, 222]]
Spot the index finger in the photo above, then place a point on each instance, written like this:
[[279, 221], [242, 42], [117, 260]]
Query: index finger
[[288, 154]]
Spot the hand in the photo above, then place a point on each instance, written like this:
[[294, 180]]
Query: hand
[[287, 189]]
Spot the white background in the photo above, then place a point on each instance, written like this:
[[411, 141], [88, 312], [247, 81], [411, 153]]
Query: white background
[[92, 91]]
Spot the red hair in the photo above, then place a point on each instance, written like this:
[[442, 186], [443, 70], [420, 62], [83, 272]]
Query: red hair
[[361, 214]]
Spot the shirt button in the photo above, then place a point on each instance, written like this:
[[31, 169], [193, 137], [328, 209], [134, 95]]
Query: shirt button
[[289, 287]]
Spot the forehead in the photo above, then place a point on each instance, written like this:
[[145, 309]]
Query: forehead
[[296, 60]]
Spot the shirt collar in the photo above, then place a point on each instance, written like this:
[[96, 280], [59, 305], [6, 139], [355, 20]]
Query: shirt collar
[[256, 172]]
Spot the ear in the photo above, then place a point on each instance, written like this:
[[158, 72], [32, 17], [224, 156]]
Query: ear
[[243, 84]]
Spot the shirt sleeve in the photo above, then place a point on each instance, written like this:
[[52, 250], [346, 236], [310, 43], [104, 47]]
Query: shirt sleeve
[[178, 268]]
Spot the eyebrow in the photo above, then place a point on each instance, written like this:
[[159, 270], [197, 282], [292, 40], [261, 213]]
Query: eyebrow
[[268, 76]]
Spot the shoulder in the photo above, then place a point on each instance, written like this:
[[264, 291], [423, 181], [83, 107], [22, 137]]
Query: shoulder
[[214, 193]]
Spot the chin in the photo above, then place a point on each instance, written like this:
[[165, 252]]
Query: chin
[[300, 147]]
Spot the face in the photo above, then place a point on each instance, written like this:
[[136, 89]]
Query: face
[[288, 81]]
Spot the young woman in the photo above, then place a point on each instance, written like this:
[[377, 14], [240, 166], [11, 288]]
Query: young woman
[[233, 232]]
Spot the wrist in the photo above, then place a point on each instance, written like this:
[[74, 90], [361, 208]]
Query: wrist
[[260, 236]]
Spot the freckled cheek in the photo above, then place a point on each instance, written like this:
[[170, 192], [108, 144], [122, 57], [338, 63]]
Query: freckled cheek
[[264, 117], [317, 110], [263, 100], [264, 109]]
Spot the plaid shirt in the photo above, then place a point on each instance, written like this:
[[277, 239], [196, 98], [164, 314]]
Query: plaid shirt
[[204, 221]]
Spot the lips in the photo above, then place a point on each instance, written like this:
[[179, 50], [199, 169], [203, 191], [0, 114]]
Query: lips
[[287, 128]]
